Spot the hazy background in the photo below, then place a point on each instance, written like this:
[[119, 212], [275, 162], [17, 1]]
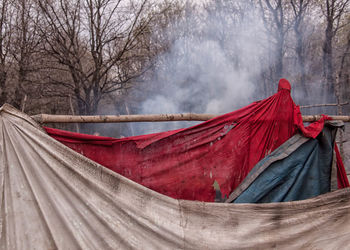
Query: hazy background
[[170, 56]]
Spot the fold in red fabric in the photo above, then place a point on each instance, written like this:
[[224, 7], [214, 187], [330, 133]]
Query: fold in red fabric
[[343, 181], [185, 163]]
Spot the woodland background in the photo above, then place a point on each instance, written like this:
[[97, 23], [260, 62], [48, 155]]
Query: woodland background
[[167, 56]]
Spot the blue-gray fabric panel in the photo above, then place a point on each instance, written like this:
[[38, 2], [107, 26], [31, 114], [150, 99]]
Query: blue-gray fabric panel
[[303, 174]]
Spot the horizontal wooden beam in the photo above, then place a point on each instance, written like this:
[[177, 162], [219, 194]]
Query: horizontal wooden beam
[[325, 105], [45, 118], [313, 118]]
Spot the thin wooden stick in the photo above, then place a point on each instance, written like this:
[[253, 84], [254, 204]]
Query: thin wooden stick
[[45, 118], [313, 118], [73, 113], [24, 103], [324, 105]]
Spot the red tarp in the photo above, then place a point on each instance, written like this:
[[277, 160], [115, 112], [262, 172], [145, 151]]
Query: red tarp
[[185, 163]]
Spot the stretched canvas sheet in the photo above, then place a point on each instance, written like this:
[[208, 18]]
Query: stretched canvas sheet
[[51, 197]]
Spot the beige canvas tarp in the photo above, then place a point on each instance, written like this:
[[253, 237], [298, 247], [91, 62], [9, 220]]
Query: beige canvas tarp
[[52, 197]]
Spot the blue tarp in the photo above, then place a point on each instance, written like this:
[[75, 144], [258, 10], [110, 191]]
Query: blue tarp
[[299, 169]]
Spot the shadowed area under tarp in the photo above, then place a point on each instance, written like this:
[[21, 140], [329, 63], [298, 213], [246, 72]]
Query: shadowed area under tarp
[[51, 197]]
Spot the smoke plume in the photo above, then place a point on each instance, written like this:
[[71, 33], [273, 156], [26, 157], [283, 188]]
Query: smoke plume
[[211, 67]]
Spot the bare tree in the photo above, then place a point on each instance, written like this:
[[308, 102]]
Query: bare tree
[[277, 26], [344, 69], [300, 8], [5, 42], [25, 44], [95, 42], [333, 11]]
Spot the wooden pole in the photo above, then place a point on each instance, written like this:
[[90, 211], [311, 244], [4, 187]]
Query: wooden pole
[[73, 113], [325, 105], [128, 112], [313, 118], [24, 103], [45, 118]]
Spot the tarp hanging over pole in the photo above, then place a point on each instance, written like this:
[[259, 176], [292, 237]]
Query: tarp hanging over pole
[[54, 198], [299, 169], [186, 163]]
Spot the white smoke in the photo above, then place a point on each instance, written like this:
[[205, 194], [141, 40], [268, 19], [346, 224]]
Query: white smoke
[[211, 67]]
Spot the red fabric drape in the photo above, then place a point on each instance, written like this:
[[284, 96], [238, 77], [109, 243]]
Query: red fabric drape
[[343, 181], [185, 163]]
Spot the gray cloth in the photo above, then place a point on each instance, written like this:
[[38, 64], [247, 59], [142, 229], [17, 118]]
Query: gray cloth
[[52, 197]]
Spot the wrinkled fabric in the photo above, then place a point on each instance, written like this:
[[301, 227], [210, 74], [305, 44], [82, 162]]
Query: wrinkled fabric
[[299, 169], [343, 180], [186, 163], [54, 198]]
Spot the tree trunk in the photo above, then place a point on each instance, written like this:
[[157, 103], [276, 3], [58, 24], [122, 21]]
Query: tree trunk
[[328, 56], [328, 73], [301, 61], [3, 78], [19, 92], [279, 62]]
